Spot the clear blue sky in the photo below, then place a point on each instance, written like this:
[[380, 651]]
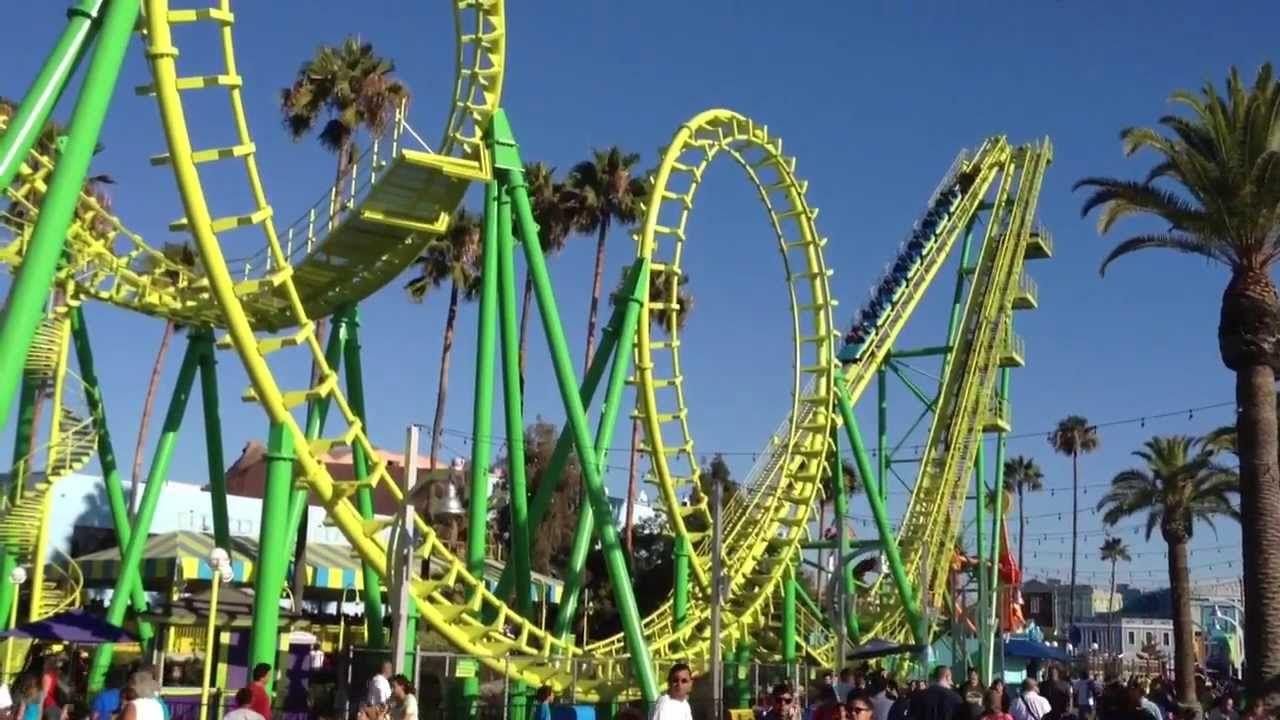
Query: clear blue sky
[[874, 98]]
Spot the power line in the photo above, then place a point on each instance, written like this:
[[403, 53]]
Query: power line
[[1135, 420]]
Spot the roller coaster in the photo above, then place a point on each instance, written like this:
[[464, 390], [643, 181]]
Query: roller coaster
[[265, 305]]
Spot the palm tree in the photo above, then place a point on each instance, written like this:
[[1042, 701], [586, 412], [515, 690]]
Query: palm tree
[[452, 259], [1214, 189], [1113, 550], [1180, 484], [184, 255], [1074, 436], [661, 292], [553, 207], [606, 193], [1024, 475], [353, 87]]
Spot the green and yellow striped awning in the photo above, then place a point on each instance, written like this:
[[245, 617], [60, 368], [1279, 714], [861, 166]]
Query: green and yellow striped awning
[[182, 556]]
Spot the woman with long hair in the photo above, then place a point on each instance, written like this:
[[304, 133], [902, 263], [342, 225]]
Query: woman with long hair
[[404, 703], [993, 706]]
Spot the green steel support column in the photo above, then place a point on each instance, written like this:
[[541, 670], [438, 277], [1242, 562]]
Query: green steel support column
[[7, 595], [906, 593], [680, 602], [997, 522], [507, 160], [508, 325], [213, 439], [482, 411], [131, 558], [25, 305], [910, 385], [28, 122], [957, 304], [268, 581], [509, 322], [375, 635], [317, 411], [564, 445], [482, 414], [743, 679], [882, 432], [106, 455], [789, 620], [22, 438], [637, 289], [845, 569], [979, 523]]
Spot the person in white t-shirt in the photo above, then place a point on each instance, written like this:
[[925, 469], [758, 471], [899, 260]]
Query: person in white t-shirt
[[244, 696], [380, 686], [674, 703], [1030, 704]]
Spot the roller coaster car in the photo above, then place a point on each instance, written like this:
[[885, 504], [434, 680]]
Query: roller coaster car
[[849, 353]]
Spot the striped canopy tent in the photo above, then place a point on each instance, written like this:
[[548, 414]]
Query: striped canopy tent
[[182, 556]]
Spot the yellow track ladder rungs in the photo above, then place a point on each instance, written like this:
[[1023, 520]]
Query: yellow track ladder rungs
[[197, 82], [204, 156], [266, 346], [218, 15], [230, 222]]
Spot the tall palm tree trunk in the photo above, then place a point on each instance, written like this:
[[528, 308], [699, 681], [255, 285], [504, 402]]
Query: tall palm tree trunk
[[1022, 532], [524, 325], [631, 484], [596, 284], [1111, 604], [1260, 529], [442, 386], [1075, 542], [148, 405], [1184, 654]]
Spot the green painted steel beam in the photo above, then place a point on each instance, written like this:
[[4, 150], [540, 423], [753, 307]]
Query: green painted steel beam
[[853, 545], [24, 307], [931, 351], [680, 597], [8, 596], [111, 478], [907, 594], [979, 525], [789, 619], [911, 386], [375, 634], [482, 413], [554, 473], [28, 122], [507, 160], [637, 290], [213, 439], [27, 397], [272, 562], [482, 410], [883, 456], [131, 558], [508, 323], [317, 412]]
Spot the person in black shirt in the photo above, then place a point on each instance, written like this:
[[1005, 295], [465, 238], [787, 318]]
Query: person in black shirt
[[1057, 692], [939, 701]]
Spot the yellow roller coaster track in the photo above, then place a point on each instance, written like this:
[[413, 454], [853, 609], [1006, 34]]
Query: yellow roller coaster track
[[364, 231]]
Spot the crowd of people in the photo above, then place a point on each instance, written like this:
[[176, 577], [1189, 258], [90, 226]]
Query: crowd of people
[[873, 694]]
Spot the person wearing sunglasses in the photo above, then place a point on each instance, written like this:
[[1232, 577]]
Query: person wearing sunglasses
[[674, 703], [784, 705], [859, 707]]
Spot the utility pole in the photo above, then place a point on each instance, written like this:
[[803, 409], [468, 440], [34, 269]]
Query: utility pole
[[402, 547], [717, 572], [842, 626]]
